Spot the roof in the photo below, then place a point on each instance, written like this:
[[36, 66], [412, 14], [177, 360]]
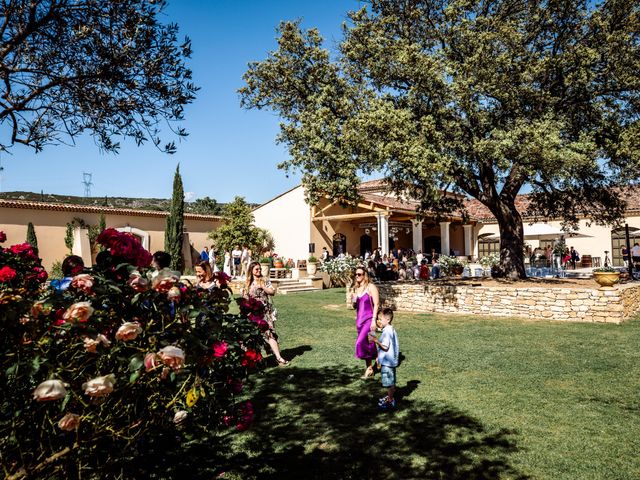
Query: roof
[[65, 207]]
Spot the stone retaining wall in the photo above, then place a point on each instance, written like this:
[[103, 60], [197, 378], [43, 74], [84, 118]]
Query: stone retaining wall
[[566, 304]]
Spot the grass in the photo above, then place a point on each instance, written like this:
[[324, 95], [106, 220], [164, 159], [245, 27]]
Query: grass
[[478, 398]]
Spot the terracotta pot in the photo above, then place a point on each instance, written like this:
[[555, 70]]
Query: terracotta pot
[[457, 270], [606, 279], [312, 268], [278, 265]]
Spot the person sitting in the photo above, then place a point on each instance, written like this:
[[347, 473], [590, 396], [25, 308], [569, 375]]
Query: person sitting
[[424, 271]]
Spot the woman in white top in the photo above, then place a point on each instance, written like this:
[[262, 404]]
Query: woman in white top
[[226, 267]]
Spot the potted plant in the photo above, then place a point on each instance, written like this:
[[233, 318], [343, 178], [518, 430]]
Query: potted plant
[[606, 276], [278, 262], [312, 265], [490, 262], [451, 265], [265, 266]]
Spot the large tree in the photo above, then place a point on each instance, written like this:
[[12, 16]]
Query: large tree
[[106, 67], [481, 98]]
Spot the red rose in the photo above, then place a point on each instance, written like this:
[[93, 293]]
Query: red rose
[[259, 321], [3, 237], [7, 274], [219, 349], [245, 416], [251, 358], [24, 250]]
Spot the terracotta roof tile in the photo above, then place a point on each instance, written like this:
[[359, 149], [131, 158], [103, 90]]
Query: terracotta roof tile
[[65, 207]]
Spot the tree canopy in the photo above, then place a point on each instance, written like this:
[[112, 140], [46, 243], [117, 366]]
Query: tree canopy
[[104, 67], [239, 229], [481, 98]]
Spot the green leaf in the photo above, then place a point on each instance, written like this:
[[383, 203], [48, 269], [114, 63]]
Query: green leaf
[[65, 401], [136, 363], [134, 376]]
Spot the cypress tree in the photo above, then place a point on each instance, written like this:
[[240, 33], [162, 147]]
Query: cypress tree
[[175, 224], [31, 236], [102, 226]]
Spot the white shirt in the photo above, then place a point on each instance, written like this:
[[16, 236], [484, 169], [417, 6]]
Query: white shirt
[[388, 338]]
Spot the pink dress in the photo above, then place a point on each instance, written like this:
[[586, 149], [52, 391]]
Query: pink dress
[[365, 349]]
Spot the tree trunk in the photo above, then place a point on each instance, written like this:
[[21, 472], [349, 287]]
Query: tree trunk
[[511, 239]]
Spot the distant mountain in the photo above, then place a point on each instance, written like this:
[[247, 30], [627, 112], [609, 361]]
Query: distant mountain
[[207, 206]]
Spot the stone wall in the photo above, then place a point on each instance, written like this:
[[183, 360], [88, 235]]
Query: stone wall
[[566, 304]]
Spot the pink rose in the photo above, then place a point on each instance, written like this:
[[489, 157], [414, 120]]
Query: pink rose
[[128, 331], [174, 294], [83, 282], [151, 361], [219, 349], [180, 417], [78, 312], [91, 344], [40, 308], [7, 274], [69, 422], [172, 357], [49, 390], [138, 282], [164, 280], [99, 386]]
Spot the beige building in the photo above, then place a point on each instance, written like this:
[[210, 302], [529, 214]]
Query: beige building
[[50, 221], [387, 222]]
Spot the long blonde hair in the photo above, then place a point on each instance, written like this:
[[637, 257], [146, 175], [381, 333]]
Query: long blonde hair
[[250, 276], [365, 277]]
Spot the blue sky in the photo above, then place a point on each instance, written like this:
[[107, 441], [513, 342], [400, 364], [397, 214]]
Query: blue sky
[[229, 151]]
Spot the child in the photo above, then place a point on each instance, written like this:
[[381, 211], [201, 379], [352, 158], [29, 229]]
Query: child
[[388, 351]]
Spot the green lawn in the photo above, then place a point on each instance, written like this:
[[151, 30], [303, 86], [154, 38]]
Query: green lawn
[[478, 398]]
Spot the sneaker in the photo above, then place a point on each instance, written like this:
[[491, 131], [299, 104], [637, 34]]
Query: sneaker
[[382, 401], [388, 405]]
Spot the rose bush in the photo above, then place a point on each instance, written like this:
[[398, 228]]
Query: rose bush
[[113, 376], [340, 270]]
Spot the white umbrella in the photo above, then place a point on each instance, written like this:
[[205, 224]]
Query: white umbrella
[[544, 231]]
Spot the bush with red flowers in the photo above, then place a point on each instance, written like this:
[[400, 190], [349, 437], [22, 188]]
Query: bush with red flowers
[[21, 278], [120, 371]]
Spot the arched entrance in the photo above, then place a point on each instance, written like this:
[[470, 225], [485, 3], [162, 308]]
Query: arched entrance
[[366, 245], [339, 244]]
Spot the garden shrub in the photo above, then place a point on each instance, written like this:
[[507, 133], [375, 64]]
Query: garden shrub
[[114, 376]]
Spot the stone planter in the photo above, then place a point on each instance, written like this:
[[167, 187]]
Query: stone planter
[[312, 268], [264, 269], [606, 279]]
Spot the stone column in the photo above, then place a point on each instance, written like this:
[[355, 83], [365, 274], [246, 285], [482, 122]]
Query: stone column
[[417, 235], [383, 233], [81, 245], [469, 244], [444, 238]]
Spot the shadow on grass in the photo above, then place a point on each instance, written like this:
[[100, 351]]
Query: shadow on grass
[[324, 424]]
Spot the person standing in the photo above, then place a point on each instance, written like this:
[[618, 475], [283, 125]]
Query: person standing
[[259, 288], [366, 300], [212, 260], [226, 266], [244, 261], [236, 255], [388, 356], [575, 257], [204, 255]]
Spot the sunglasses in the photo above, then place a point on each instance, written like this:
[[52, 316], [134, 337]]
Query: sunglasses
[[359, 274]]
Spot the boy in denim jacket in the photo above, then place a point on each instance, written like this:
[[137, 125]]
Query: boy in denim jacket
[[388, 351]]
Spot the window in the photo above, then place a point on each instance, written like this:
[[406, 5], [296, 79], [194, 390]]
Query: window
[[619, 240]]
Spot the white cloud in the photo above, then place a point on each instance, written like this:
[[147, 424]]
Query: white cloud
[[189, 196]]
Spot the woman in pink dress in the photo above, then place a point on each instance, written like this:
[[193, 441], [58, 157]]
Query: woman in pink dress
[[365, 300]]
